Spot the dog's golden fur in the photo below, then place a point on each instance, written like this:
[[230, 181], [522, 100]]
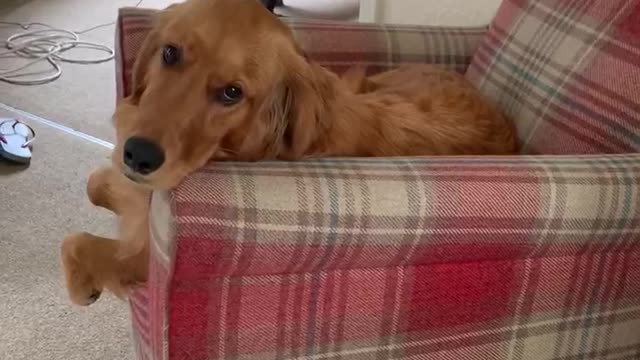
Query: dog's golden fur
[[292, 109]]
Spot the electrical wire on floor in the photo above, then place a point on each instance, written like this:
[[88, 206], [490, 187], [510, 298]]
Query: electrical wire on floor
[[48, 44]]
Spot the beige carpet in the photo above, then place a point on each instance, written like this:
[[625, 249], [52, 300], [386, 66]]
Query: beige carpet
[[39, 206], [84, 96], [42, 203]]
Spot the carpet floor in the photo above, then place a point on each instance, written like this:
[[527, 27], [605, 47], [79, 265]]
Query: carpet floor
[[40, 204], [84, 96]]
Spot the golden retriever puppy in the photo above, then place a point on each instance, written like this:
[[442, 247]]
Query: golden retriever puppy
[[225, 80]]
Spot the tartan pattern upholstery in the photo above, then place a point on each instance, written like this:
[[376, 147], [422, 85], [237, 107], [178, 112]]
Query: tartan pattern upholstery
[[455, 258], [568, 72], [534, 257]]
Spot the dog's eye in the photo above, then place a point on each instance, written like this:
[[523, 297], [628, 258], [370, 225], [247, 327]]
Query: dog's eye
[[229, 95], [171, 55]]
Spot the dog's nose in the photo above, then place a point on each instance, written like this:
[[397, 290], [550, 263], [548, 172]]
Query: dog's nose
[[142, 155]]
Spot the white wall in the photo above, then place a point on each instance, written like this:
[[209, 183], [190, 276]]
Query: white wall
[[429, 12], [328, 9]]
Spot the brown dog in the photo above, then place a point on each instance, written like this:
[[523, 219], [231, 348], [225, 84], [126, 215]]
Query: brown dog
[[225, 80]]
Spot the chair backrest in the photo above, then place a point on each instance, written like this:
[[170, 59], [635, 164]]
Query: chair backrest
[[568, 73]]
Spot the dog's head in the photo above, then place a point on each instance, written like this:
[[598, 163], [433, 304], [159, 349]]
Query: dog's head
[[214, 79]]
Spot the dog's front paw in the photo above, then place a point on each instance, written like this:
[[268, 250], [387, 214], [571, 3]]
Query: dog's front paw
[[98, 188], [82, 287], [125, 285]]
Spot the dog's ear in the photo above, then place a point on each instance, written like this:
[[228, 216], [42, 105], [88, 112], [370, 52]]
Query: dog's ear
[[139, 74], [309, 92], [148, 49]]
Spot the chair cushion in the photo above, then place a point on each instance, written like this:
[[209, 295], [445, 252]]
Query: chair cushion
[[568, 73]]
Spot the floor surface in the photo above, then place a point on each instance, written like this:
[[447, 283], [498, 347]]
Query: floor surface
[[40, 204]]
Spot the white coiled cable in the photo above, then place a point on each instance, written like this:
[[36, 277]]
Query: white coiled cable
[[46, 45]]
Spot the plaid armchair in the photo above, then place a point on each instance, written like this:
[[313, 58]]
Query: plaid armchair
[[527, 257]]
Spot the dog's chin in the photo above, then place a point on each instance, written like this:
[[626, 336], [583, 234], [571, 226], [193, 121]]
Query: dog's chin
[[134, 177], [144, 181], [138, 179], [159, 180]]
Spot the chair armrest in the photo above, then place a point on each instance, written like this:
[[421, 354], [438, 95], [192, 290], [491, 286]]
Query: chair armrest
[[233, 218], [336, 45], [245, 257]]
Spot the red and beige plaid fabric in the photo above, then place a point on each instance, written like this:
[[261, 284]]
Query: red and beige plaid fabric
[[568, 72], [453, 258], [532, 257]]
